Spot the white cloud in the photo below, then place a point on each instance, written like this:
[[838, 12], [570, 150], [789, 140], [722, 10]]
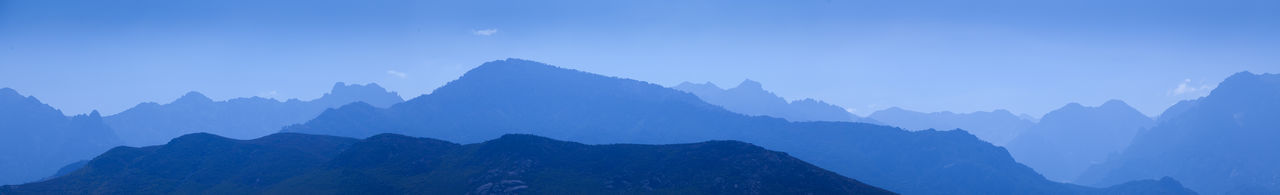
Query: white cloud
[[397, 74], [1186, 88], [485, 32]]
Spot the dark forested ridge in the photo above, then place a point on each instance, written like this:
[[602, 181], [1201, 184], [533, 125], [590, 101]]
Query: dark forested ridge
[[289, 163]]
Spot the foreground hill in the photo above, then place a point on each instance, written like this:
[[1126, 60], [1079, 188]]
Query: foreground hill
[[290, 163], [36, 139], [997, 127], [518, 96], [242, 118], [750, 98], [1224, 143], [1070, 139]]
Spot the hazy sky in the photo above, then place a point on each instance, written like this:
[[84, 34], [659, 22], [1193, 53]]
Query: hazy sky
[[956, 55]]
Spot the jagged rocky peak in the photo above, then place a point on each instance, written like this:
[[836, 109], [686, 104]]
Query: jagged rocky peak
[[372, 93]]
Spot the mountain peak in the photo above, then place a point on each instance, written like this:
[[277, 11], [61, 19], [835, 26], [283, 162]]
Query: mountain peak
[[1114, 103], [372, 93], [200, 138], [1247, 84], [750, 84], [341, 87], [1072, 105], [510, 67], [7, 92], [193, 97]]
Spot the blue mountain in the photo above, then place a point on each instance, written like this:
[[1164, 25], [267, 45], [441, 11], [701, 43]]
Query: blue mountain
[[750, 98], [243, 118], [997, 127], [519, 96], [1070, 139], [1224, 143], [36, 139], [289, 163]]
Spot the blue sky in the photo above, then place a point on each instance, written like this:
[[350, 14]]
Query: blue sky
[[963, 56]]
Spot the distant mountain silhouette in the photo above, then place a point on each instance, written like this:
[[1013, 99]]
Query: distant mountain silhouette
[[1224, 143], [243, 118], [36, 139], [997, 127], [68, 169], [750, 98], [1069, 140], [518, 96], [290, 163]]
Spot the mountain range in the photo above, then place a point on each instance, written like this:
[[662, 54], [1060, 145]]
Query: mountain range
[[1070, 139], [519, 96], [750, 98], [242, 118], [36, 139], [290, 163], [997, 127], [1223, 143]]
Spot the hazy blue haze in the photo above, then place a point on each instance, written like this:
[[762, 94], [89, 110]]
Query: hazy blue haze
[[959, 56], [1071, 139], [750, 98], [242, 118], [36, 139], [997, 127]]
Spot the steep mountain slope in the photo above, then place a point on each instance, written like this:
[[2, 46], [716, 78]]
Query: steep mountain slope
[[1070, 139], [289, 163], [997, 127], [243, 118], [36, 139], [518, 96], [1221, 143], [750, 98]]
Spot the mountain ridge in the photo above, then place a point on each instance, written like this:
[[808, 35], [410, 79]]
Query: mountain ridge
[[1217, 144], [398, 164], [151, 123], [526, 97]]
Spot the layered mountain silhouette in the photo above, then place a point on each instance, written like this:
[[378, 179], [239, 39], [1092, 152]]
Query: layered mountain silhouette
[[518, 96], [750, 98], [1224, 143], [1070, 139], [290, 163], [36, 139], [242, 118], [997, 127]]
